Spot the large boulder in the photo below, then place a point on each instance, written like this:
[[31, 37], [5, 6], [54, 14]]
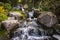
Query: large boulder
[[16, 15], [10, 24], [47, 18]]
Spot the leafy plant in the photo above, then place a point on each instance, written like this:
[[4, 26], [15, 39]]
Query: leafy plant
[[1, 3], [3, 17], [7, 6], [1, 9]]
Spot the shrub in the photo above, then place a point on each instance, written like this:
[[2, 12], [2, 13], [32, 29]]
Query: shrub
[[3, 17], [1, 4], [1, 9], [7, 6]]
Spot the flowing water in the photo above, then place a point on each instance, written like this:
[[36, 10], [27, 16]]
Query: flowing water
[[31, 13], [29, 30]]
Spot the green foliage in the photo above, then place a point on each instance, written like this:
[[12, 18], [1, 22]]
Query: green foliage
[[7, 6], [2, 32], [14, 9], [45, 5], [3, 14], [1, 4], [3, 17], [13, 2]]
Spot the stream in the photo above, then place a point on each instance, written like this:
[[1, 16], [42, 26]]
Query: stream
[[29, 30]]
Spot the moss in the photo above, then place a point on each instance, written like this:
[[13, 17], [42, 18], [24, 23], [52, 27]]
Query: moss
[[2, 32]]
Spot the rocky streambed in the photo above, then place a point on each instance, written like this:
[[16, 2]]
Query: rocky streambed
[[31, 31], [31, 28]]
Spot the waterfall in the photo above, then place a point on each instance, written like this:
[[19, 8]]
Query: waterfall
[[30, 32], [31, 13], [16, 38], [22, 9]]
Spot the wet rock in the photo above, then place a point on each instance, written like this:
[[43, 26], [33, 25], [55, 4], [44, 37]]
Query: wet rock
[[36, 13], [47, 18], [57, 28], [11, 18], [16, 15], [26, 6], [10, 24], [57, 36], [32, 24]]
